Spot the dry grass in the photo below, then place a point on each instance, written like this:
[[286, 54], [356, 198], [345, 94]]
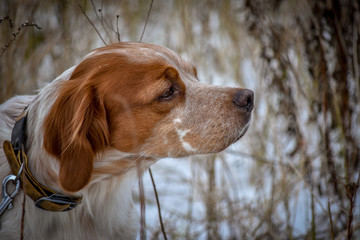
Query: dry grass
[[296, 173]]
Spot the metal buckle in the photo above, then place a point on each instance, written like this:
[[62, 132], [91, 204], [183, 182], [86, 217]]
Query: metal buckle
[[7, 198], [57, 199]]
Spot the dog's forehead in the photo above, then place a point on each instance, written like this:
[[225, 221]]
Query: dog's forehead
[[139, 53]]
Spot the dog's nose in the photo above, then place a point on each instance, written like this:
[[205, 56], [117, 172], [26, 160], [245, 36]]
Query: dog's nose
[[244, 98]]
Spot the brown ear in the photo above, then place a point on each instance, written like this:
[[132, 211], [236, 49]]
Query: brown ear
[[74, 131]]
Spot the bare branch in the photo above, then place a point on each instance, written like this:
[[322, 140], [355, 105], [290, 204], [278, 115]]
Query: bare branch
[[92, 24], [101, 18], [146, 21], [6, 18], [15, 34], [117, 28], [158, 204], [331, 222], [142, 205]]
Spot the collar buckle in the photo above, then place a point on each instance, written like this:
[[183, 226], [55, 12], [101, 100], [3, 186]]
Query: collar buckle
[[63, 203], [44, 198]]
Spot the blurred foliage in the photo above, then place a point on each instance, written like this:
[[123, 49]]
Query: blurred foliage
[[310, 50], [300, 57]]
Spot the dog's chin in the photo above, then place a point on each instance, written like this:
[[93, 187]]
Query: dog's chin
[[236, 138], [243, 131], [240, 134]]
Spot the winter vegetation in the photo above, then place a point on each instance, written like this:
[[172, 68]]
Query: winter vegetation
[[295, 174]]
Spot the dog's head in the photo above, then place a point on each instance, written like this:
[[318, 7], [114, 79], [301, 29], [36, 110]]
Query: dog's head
[[143, 100]]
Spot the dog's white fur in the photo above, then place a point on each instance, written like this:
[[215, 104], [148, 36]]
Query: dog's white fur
[[99, 216], [107, 209]]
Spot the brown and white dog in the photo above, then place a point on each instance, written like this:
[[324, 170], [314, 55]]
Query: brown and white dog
[[122, 108]]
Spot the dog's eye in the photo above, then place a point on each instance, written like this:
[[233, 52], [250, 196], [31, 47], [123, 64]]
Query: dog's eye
[[168, 94]]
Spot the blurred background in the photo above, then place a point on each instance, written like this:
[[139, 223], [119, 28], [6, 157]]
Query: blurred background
[[295, 174]]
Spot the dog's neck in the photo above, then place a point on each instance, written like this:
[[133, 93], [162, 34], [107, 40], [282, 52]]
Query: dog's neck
[[107, 202], [108, 196]]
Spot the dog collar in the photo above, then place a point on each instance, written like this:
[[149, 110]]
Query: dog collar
[[44, 198]]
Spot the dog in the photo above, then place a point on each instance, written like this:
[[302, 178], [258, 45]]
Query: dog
[[97, 127]]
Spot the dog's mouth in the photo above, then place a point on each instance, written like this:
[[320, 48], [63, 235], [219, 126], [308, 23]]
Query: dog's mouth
[[223, 143], [240, 133], [243, 131]]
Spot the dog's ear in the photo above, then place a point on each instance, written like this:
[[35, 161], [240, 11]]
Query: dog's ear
[[75, 130]]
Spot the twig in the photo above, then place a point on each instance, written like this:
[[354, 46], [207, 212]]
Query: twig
[[324, 76], [351, 189], [101, 17], [313, 216], [331, 222], [92, 24], [117, 28], [104, 23], [158, 204], [355, 53], [142, 205], [301, 177], [8, 19], [146, 21], [211, 202], [23, 209], [15, 34]]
